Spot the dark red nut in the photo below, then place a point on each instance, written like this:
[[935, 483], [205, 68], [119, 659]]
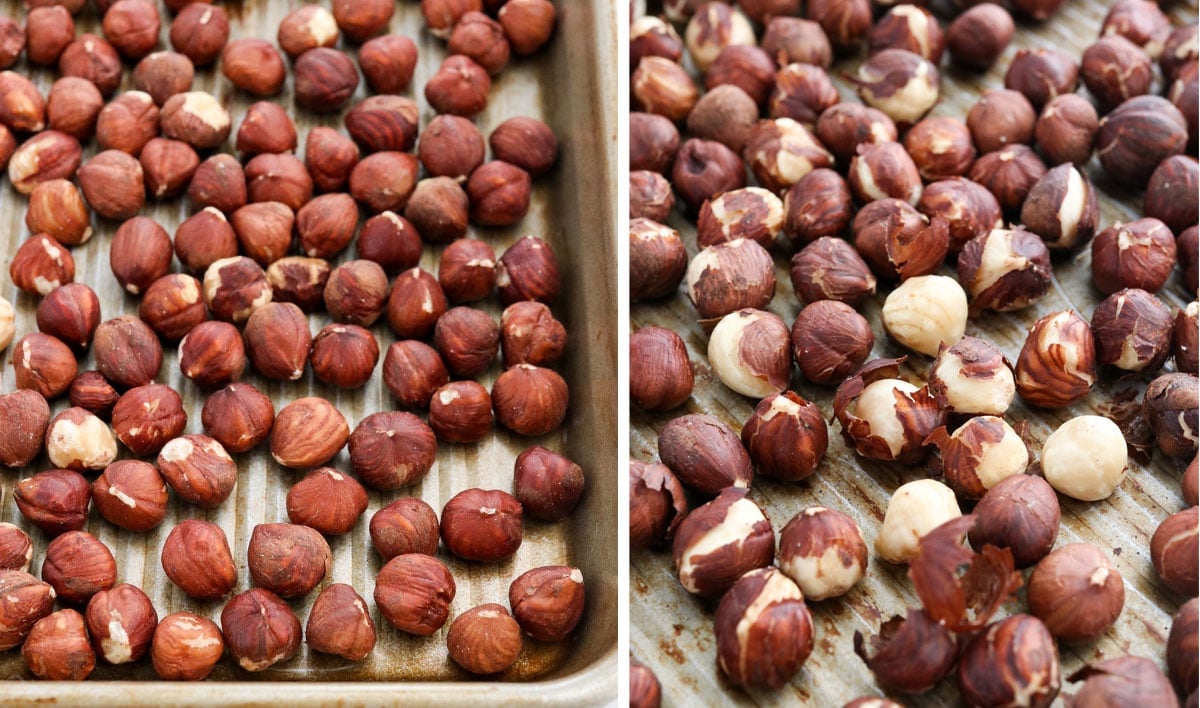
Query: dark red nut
[[484, 639], [344, 355], [530, 400], [908, 27], [113, 184], [969, 209], [1180, 48], [147, 416], [461, 412], [1170, 406], [528, 270], [1172, 193], [845, 22], [219, 182], [47, 156], [278, 341], [978, 37], [338, 622], [412, 372], [650, 196], [72, 107], [254, 66], [1043, 75], [1020, 513], [999, 118], [911, 654], [845, 126], [264, 230], [387, 62], [78, 565], [48, 31], [883, 171], [499, 194], [326, 500], [653, 142], [663, 379], [196, 557], [131, 494], [525, 142], [392, 450], [1009, 174], [92, 392], [386, 181], [16, 548], [93, 58], [751, 212], [234, 288], [407, 525], [127, 352], [238, 416], [830, 341], [260, 629], [308, 432], [325, 79], [720, 541], [1057, 364], [287, 559], [164, 74], [467, 340], [439, 208], [57, 649], [27, 415], [652, 36], [55, 501], [940, 148], [451, 146], [199, 469], [1186, 343], [1077, 592], [657, 260], [1061, 208], [356, 292], [173, 306], [1140, 254], [1115, 69], [1014, 659], [71, 313], [391, 241], [779, 152], [278, 178], [78, 440], [329, 157], [1137, 136], [823, 551], [786, 437], [1005, 270], [705, 168], [205, 238], [56, 208], [299, 280], [657, 504], [386, 122], [307, 27], [898, 82], [548, 602], [414, 592], [459, 87], [897, 241], [481, 39], [705, 454], [749, 353], [548, 485], [140, 254], [1182, 664], [22, 108], [266, 127], [466, 270], [763, 630], [132, 26], [830, 269], [1133, 331], [802, 92], [168, 166], [1122, 680], [127, 123], [197, 118], [730, 276], [482, 525]]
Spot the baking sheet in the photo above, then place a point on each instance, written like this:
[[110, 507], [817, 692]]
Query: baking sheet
[[671, 631], [571, 86]]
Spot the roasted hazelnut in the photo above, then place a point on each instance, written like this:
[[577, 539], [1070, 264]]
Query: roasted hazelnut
[[898, 82], [724, 114], [254, 66], [644, 688], [897, 241], [720, 541], [750, 212], [530, 400], [260, 630], [818, 205], [308, 432], [1140, 254], [278, 341], [325, 79], [461, 412], [1185, 345], [1001, 117], [940, 148], [57, 209], [41, 264], [200, 32], [132, 27], [93, 58], [412, 372], [748, 351], [713, 27], [219, 182], [1141, 22], [55, 501], [391, 450], [1182, 665], [1042, 75], [1009, 174], [234, 288], [830, 341], [481, 39], [27, 415], [482, 525], [1013, 660], [127, 123], [1138, 135], [779, 152], [1061, 208], [164, 74], [199, 470], [653, 142], [845, 126], [127, 352], [484, 639], [663, 380], [467, 340], [57, 649], [908, 27], [16, 548], [1077, 592], [528, 270], [92, 392], [1132, 330], [1057, 364], [846, 22], [830, 269], [657, 260], [802, 92], [653, 36], [1089, 477], [705, 454], [548, 485], [205, 238], [391, 241], [212, 354], [527, 24], [1020, 513], [168, 166], [705, 168], [978, 37], [548, 602], [1125, 679], [451, 146], [173, 306], [499, 194], [356, 292], [281, 178], [746, 67], [442, 16], [121, 622], [44, 364], [407, 525], [459, 87], [380, 123], [657, 504], [915, 509], [197, 118], [307, 27], [196, 557], [299, 280], [980, 454], [1179, 49], [112, 183], [344, 355], [414, 592], [1171, 194], [823, 551], [72, 107], [238, 416], [287, 559], [885, 418], [882, 171], [730, 276], [263, 230], [146, 417], [387, 62], [763, 630], [339, 622], [326, 500], [466, 270], [786, 437], [1115, 69], [1170, 406], [48, 155], [27, 600], [186, 647], [438, 207], [969, 209], [1005, 270], [972, 377], [78, 565]]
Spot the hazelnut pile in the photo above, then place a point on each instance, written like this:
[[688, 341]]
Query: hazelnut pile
[[272, 242], [908, 235]]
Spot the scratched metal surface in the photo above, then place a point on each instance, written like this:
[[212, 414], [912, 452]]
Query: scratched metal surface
[[570, 85], [671, 631]]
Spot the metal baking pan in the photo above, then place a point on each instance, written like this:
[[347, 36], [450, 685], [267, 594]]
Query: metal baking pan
[[572, 86], [672, 631]]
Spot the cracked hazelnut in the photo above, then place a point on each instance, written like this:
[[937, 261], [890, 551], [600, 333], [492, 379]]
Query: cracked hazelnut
[[412, 371], [763, 630], [307, 27], [1013, 660], [530, 400], [43, 363], [199, 469], [663, 380], [27, 415], [77, 440], [1132, 330], [260, 630], [287, 559], [657, 260], [57, 649], [1020, 513], [254, 66], [27, 600], [482, 525], [16, 548], [1005, 270], [299, 280], [823, 551], [1140, 254], [915, 509], [548, 485], [407, 525], [414, 592], [1171, 193], [548, 602], [344, 355], [219, 182], [657, 504], [212, 354], [113, 184], [78, 565], [786, 437], [390, 450], [1091, 475], [56, 208], [1115, 69], [339, 622], [451, 146], [1066, 129], [438, 207], [897, 241], [1009, 174], [146, 417], [1077, 592], [484, 639], [164, 74], [326, 500], [1170, 405], [705, 454], [186, 647], [1138, 135], [234, 288], [883, 417], [387, 62], [46, 156], [121, 622], [748, 351], [720, 541], [980, 454], [308, 432], [55, 501], [196, 557], [461, 412]]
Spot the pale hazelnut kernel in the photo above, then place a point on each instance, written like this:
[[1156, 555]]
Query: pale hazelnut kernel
[[926, 312], [77, 440], [913, 511], [823, 551], [749, 350], [972, 377], [1085, 458], [980, 454], [877, 405]]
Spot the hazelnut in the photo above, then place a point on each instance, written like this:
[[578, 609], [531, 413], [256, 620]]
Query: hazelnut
[[186, 647], [266, 128], [657, 504], [57, 209], [830, 269], [48, 155], [200, 32], [92, 392], [387, 62], [44, 364], [451, 146], [528, 270], [897, 241], [467, 270], [1043, 75], [713, 27], [972, 377], [883, 417], [1138, 135], [1020, 513], [1061, 208], [72, 107], [653, 142], [940, 148], [55, 501], [168, 166], [22, 108], [78, 440], [527, 24], [121, 622], [748, 351], [308, 432], [1185, 346], [1009, 174], [823, 551], [908, 27], [1057, 364], [1171, 194], [57, 648], [7, 323], [12, 41], [380, 123], [203, 239], [356, 292], [484, 639], [653, 36], [846, 22], [164, 74], [127, 123], [720, 541], [278, 178], [325, 79], [172, 306], [412, 371], [751, 213], [802, 92], [1179, 49], [438, 208], [1077, 592], [816, 206], [978, 37], [391, 450], [663, 379], [498, 193], [705, 168], [481, 39], [1005, 270], [548, 485], [779, 152], [441, 16], [287, 559], [657, 260], [344, 355], [730, 276], [329, 157], [1013, 660], [219, 182], [16, 548], [786, 437], [234, 288], [705, 454], [1140, 254], [299, 280], [898, 82], [644, 688], [127, 352], [1132, 330], [414, 592], [112, 182], [1138, 21], [391, 241], [339, 622], [196, 557], [146, 417], [197, 118], [467, 340], [482, 525], [1001, 117], [763, 630], [844, 126], [27, 600], [915, 509], [830, 341], [1115, 69], [48, 31], [307, 27], [525, 142], [547, 602], [132, 27], [27, 415], [263, 230], [326, 500], [969, 209], [407, 525], [1190, 484], [199, 469], [530, 400], [461, 412], [254, 66], [1170, 406], [459, 87], [1124, 679], [1091, 476], [78, 565], [980, 454], [1182, 665], [882, 171], [260, 630], [93, 58]]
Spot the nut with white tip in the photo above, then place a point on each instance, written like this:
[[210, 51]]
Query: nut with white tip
[[823, 551]]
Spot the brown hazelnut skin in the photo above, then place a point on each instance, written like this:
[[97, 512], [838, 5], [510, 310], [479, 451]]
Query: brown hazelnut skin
[[968, 208], [28, 415], [1138, 135], [818, 205], [802, 92], [845, 126], [548, 485], [528, 270], [1186, 343], [1009, 173], [72, 107], [392, 449], [56, 501], [57, 648], [482, 525], [1042, 75], [882, 171], [164, 74], [238, 416], [299, 280], [308, 432], [131, 494], [763, 630], [71, 313], [459, 87], [414, 592], [196, 557], [356, 292], [1001, 117], [12, 41], [278, 341], [127, 123], [705, 454], [1171, 193], [912, 653], [254, 66], [650, 196], [260, 629], [704, 169], [27, 601], [325, 79], [653, 142], [391, 241], [978, 37], [203, 239], [530, 400], [173, 306], [941, 148], [287, 559], [724, 114], [653, 36], [186, 647], [1190, 484], [1014, 660], [730, 276], [657, 503], [48, 31], [1019, 280], [382, 123], [1123, 680], [344, 355], [1056, 211], [132, 26], [663, 380], [1183, 95], [387, 62], [407, 525], [657, 260], [1020, 513], [280, 178], [127, 607], [527, 24], [112, 183], [1139, 254], [326, 500], [16, 548], [78, 565], [266, 127], [1057, 363], [461, 412], [329, 157], [830, 269], [46, 156], [548, 602], [1173, 551], [199, 469], [525, 142], [1182, 648], [338, 622], [481, 39], [412, 371], [499, 194], [662, 87], [786, 437], [1133, 331], [219, 182], [845, 22], [22, 109], [467, 270], [644, 689], [709, 557], [1066, 129], [1077, 592], [897, 241], [467, 339], [916, 31], [1115, 69], [439, 209], [484, 639], [168, 166]]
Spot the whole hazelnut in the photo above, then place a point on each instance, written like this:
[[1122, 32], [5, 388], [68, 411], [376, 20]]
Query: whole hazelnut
[[27, 600], [77, 440], [1009, 174], [467, 340], [287, 559], [1185, 346], [527, 24], [528, 270], [22, 108], [548, 485], [657, 260], [940, 148], [1141, 22], [451, 146], [1171, 194], [653, 142], [441, 16], [978, 37], [196, 557], [414, 592], [234, 288], [461, 412], [883, 417], [644, 688], [238, 416], [657, 504], [823, 551], [1138, 135], [278, 341], [121, 622], [72, 107], [325, 79], [260, 630], [663, 380], [127, 352], [713, 27], [786, 437], [1115, 69], [219, 182], [830, 341], [1124, 679], [748, 351], [438, 207], [263, 230], [146, 417], [254, 66], [173, 306], [548, 601], [1057, 364], [481, 39], [1182, 665], [199, 469], [1001, 117], [164, 74], [482, 525], [466, 270], [168, 166], [78, 565], [846, 22], [1139, 254], [763, 630], [356, 292], [197, 118], [200, 32], [112, 182], [817, 206], [1005, 270], [845, 126], [387, 62], [127, 123], [830, 269], [339, 622], [802, 92], [70, 313], [326, 500], [1061, 208], [307, 27], [392, 242], [730, 276], [972, 377], [55, 501], [380, 123], [882, 171], [968, 208], [344, 355], [898, 82], [412, 371], [705, 454], [1180, 48], [56, 208], [278, 178], [1020, 513], [186, 647], [390, 450], [1013, 660], [779, 152], [1170, 406], [897, 241], [980, 454], [1042, 75], [205, 238], [484, 639], [1077, 592], [28, 415], [308, 432], [407, 525], [329, 157], [132, 27], [57, 648], [41, 264], [705, 168], [915, 509], [653, 36], [47, 155], [266, 127], [16, 548], [1133, 331], [1090, 477], [530, 400], [459, 87], [93, 58], [720, 541], [499, 194], [525, 142], [48, 31], [908, 27]]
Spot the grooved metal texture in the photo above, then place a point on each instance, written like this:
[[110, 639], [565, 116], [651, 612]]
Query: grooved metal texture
[[570, 85], [672, 631]]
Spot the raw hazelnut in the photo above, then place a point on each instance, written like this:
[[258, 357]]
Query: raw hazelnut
[[219, 182], [1115, 69], [127, 352], [451, 146], [55, 501], [657, 260], [329, 157], [164, 74], [527, 24], [380, 123], [1087, 476], [530, 400], [40, 265], [484, 639], [1009, 174], [897, 241], [705, 168], [749, 353], [525, 142], [112, 183], [883, 417], [339, 622], [1137, 136], [548, 602], [1043, 75], [915, 509], [356, 292], [653, 36], [234, 288], [93, 58], [730, 276], [846, 22], [779, 152], [212, 354], [644, 688], [307, 27], [481, 39], [278, 178], [1186, 346], [57, 209], [196, 557], [1020, 513], [121, 622], [344, 355], [200, 32], [92, 392], [1139, 254], [57, 649], [528, 270], [391, 450], [72, 107], [657, 504], [287, 559], [16, 548], [802, 92], [78, 565], [1077, 592], [197, 118], [70, 313], [278, 341], [980, 454], [387, 62], [1171, 194], [412, 371], [1001, 117], [186, 647], [254, 66], [548, 485], [78, 440], [898, 82], [260, 630], [438, 208], [146, 417], [22, 107], [127, 123], [908, 27], [763, 630], [705, 454], [653, 142], [1013, 660], [823, 551], [442, 15], [1125, 679], [1132, 330], [308, 432], [27, 414], [266, 127], [720, 541], [969, 209], [978, 37], [43, 157], [199, 469], [325, 79], [326, 500], [817, 205], [205, 238], [299, 280], [459, 87], [168, 166], [482, 525], [940, 148], [466, 270], [830, 341], [461, 412], [263, 230], [1181, 645], [1005, 270], [1170, 406], [391, 241], [414, 592], [499, 194], [44, 364], [238, 416], [172, 306], [27, 600], [663, 380], [786, 437], [407, 525], [132, 27], [467, 340]]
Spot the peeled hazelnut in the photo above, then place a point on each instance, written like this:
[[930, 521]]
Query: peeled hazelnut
[[387, 62], [78, 565], [897, 241], [978, 37], [438, 207], [823, 551], [121, 622], [900, 83], [196, 557], [705, 454], [1077, 592], [287, 559], [1009, 174], [44, 364], [72, 107], [653, 142], [146, 417], [925, 313], [164, 74], [657, 504], [663, 380], [1020, 513], [1043, 75], [414, 592], [57, 209], [305, 28], [972, 377], [339, 622], [484, 639], [763, 630], [1139, 254], [1181, 644], [326, 500], [980, 454], [482, 525], [451, 146], [1014, 660], [219, 182], [391, 241], [308, 432], [48, 155], [199, 470], [55, 501], [254, 66], [830, 341], [329, 157], [657, 260], [1171, 403], [186, 647], [705, 168], [278, 178], [260, 630], [528, 270], [1125, 679], [1171, 194], [93, 58], [1115, 69], [915, 509], [548, 485], [238, 416], [1133, 331], [1138, 135], [57, 648], [16, 548], [113, 183], [78, 440], [720, 541], [412, 371], [344, 355], [530, 400], [407, 525], [27, 415], [390, 450], [26, 600], [730, 276], [885, 418], [846, 22], [1089, 476], [749, 352]]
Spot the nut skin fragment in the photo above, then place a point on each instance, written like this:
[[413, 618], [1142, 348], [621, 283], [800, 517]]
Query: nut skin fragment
[[717, 542], [339, 623], [657, 504], [414, 592], [885, 418], [912, 653], [1123, 680], [705, 454], [823, 551], [260, 630], [1057, 364], [763, 630], [897, 241], [1077, 592]]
